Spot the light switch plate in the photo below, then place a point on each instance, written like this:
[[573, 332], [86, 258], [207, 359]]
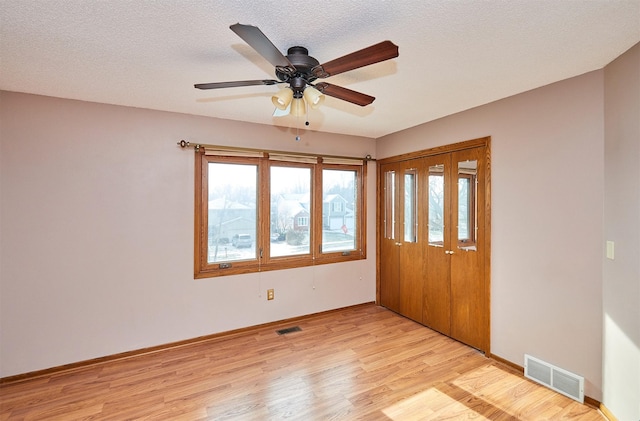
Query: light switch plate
[[610, 250]]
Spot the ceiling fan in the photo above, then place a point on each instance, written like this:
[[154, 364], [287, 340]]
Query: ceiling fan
[[300, 70]]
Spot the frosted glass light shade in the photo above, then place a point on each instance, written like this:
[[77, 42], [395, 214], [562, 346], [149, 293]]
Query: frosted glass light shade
[[313, 97], [283, 98], [298, 108]]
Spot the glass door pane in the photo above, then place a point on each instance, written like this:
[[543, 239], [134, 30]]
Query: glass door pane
[[410, 206], [467, 204], [436, 205], [390, 205]]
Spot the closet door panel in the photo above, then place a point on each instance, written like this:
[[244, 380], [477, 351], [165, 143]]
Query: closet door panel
[[410, 243], [389, 250], [468, 300], [436, 311]]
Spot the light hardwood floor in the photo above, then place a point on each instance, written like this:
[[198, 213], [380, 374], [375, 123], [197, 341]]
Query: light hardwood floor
[[363, 362]]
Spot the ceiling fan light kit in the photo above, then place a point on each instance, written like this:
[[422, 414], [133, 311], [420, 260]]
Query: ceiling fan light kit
[[300, 70], [283, 98], [313, 97], [298, 108]]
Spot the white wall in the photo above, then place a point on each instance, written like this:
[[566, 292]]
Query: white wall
[[621, 279], [546, 192], [96, 252]]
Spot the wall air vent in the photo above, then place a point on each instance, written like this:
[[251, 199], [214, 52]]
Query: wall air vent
[[555, 378]]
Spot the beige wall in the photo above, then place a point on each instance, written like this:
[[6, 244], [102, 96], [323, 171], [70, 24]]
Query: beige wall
[[547, 192], [96, 253], [621, 279]]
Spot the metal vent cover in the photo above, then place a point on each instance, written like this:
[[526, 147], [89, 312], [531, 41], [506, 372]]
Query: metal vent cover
[[555, 378], [288, 330]]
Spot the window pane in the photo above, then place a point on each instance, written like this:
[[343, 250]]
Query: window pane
[[290, 210], [436, 205], [231, 212], [410, 219], [463, 209], [339, 211], [389, 205], [467, 204]]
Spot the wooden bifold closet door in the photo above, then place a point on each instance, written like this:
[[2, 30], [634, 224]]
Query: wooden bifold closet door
[[433, 243], [400, 243]]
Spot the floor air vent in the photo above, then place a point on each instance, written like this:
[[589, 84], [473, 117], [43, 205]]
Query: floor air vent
[[562, 381], [288, 330]]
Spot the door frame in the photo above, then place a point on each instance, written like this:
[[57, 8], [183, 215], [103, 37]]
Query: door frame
[[469, 144]]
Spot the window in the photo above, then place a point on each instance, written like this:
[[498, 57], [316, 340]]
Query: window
[[390, 205], [340, 228], [290, 209], [410, 206], [257, 213], [467, 204], [436, 205], [231, 211]]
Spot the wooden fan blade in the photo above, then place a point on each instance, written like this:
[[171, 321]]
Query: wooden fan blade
[[218, 85], [253, 36], [382, 51], [344, 94]]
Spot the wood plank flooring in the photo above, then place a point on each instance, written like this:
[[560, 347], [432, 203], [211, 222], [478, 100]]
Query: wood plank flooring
[[359, 363]]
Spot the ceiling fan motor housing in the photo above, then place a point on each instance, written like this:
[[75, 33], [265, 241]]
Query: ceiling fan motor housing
[[303, 63]]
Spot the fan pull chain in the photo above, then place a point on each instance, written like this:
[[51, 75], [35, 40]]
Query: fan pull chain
[[306, 107], [306, 123]]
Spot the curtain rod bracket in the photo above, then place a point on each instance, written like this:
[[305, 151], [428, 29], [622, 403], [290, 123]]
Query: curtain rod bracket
[[184, 144]]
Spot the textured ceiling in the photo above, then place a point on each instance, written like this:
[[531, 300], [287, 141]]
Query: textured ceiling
[[454, 55]]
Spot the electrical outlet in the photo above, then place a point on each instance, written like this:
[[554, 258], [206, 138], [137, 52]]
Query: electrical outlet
[[269, 294]]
